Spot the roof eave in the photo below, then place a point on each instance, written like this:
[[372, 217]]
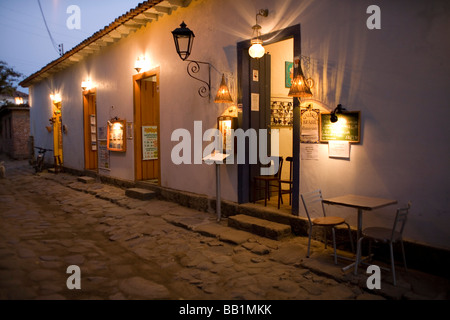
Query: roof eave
[[134, 19]]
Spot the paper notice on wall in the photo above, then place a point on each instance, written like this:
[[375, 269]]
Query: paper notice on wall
[[255, 102], [103, 154], [338, 149], [149, 142], [309, 151]]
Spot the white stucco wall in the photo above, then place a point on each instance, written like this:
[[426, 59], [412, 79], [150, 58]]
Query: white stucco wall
[[396, 76]]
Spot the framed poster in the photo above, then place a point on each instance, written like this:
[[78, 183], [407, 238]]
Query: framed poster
[[288, 73], [347, 128], [117, 135], [281, 113], [149, 142], [309, 128]]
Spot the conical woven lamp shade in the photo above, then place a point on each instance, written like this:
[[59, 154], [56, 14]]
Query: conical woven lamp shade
[[299, 87], [223, 94]]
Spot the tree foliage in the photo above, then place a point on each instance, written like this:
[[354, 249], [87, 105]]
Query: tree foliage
[[7, 78]]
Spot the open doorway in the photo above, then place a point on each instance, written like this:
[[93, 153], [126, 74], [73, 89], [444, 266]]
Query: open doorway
[[90, 130], [282, 112], [57, 133], [147, 127], [281, 115]]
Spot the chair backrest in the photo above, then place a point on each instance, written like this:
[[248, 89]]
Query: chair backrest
[[400, 221], [280, 167], [313, 204], [291, 163]]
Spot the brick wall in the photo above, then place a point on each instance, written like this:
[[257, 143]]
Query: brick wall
[[15, 132]]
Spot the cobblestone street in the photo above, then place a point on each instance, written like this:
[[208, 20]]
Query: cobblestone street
[[131, 249]]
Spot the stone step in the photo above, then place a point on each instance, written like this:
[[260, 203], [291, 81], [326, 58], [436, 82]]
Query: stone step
[[86, 179], [139, 193], [260, 227]]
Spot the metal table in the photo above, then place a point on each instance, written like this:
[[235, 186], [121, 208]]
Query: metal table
[[361, 203]]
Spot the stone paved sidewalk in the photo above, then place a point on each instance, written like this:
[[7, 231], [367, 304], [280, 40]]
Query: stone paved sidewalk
[[133, 249]]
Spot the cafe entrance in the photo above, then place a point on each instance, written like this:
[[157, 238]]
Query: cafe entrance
[[263, 88]]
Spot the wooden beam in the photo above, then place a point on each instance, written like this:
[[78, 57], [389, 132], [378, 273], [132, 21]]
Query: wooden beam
[[132, 25], [102, 43], [176, 3], [124, 30], [141, 22], [115, 34], [108, 38], [74, 58], [163, 9], [151, 15], [93, 46]]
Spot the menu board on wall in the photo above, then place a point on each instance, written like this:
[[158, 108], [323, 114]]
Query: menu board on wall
[[117, 135], [347, 128], [149, 142]]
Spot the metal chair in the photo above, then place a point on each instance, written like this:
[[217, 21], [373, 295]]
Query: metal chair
[[386, 235], [289, 182], [268, 182], [313, 203]]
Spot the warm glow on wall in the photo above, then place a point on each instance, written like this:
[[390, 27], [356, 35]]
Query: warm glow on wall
[[142, 64], [86, 85], [56, 98], [339, 127], [18, 100], [117, 126]]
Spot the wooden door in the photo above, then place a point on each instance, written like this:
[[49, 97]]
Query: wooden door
[[90, 131], [57, 132], [147, 149]]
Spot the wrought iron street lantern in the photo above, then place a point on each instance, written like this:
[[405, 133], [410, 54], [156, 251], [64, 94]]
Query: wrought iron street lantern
[[183, 38]]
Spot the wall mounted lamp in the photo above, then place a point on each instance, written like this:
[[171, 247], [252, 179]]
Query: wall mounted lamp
[[337, 110], [86, 85], [56, 98], [300, 87], [139, 64], [256, 50], [183, 38], [223, 94], [112, 120]]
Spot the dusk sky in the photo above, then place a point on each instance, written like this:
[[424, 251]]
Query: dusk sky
[[26, 44]]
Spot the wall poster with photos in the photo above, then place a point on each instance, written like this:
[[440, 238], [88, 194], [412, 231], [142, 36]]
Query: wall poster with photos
[[281, 113]]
